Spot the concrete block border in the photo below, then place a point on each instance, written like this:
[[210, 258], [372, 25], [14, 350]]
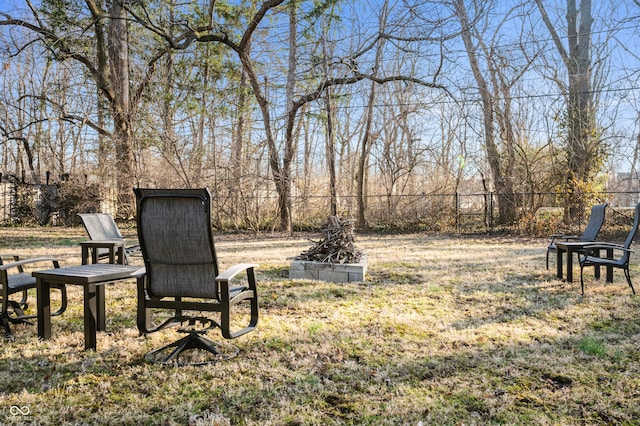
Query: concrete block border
[[332, 272]]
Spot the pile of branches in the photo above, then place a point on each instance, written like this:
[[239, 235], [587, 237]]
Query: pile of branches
[[338, 244]]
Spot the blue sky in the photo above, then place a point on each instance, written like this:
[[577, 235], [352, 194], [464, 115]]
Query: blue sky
[[622, 94]]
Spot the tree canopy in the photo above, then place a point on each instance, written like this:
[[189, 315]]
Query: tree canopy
[[274, 103]]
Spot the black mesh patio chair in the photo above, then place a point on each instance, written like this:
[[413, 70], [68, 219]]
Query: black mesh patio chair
[[596, 220], [14, 280], [621, 253], [183, 280], [101, 226]]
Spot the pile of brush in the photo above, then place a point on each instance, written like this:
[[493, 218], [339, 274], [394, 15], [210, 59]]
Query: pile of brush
[[337, 246]]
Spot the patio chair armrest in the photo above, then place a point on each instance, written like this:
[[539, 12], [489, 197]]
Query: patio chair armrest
[[22, 262], [235, 270], [102, 243], [565, 237], [9, 255], [228, 297], [223, 292], [594, 249]]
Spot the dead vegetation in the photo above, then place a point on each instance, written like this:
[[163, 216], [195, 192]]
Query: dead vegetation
[[447, 330], [337, 245]]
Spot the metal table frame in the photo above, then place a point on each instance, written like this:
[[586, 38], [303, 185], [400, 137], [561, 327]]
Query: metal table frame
[[92, 278], [116, 250], [571, 247]]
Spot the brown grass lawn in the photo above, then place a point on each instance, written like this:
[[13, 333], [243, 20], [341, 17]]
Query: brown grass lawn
[[446, 330]]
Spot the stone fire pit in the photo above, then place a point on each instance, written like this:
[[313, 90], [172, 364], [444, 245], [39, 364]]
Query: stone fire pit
[[334, 258]]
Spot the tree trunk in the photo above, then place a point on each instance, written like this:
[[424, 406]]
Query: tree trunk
[[330, 143], [582, 143], [331, 158], [363, 160], [121, 107], [237, 161], [365, 146], [504, 191]]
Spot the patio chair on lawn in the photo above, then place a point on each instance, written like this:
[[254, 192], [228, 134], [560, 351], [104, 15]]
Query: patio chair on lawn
[[592, 253], [182, 276], [19, 281], [590, 232], [101, 226]]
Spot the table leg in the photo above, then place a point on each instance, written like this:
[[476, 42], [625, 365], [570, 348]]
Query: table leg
[[90, 316], [559, 263], [121, 258], [569, 265], [609, 267], [100, 308], [43, 294], [85, 255]]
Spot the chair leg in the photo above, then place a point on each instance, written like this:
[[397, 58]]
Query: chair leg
[[63, 301], [628, 276], [582, 279], [547, 259], [23, 301], [18, 315], [17, 308], [189, 342], [5, 325]]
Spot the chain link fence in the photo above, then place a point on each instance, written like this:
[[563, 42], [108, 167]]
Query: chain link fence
[[538, 213]]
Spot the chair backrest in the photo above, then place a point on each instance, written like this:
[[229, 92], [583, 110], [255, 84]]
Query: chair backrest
[[174, 230], [595, 222], [100, 226], [634, 228]]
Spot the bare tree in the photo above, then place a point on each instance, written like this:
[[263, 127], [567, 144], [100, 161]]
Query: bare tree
[[399, 151], [583, 143], [344, 72], [366, 140], [330, 137], [501, 178], [19, 114], [97, 40], [496, 82]]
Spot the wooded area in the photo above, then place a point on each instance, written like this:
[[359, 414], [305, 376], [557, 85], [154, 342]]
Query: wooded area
[[295, 99]]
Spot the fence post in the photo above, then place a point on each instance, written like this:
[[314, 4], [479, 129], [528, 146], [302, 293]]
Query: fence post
[[490, 211], [457, 207], [486, 210]]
